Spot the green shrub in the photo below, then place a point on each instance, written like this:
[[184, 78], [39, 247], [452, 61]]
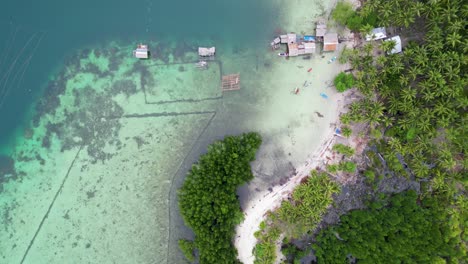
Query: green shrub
[[342, 12], [355, 22], [343, 81], [376, 133], [208, 200], [264, 252], [348, 166], [345, 150], [346, 131], [332, 168], [371, 19], [187, 247], [370, 175]]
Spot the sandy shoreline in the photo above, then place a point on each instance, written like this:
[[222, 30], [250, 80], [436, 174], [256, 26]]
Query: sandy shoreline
[[266, 201]]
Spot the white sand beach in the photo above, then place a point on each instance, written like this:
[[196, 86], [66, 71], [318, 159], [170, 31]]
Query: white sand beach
[[259, 203]]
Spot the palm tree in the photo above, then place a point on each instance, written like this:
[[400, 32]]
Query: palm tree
[[395, 145], [442, 108], [366, 29], [388, 45], [413, 72], [388, 120], [408, 94], [424, 124], [396, 65], [405, 123], [433, 11], [454, 39], [381, 60], [419, 168], [445, 160], [345, 118], [456, 25], [347, 132], [418, 8]]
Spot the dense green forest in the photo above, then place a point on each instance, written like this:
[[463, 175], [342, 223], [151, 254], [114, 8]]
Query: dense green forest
[[208, 200], [395, 230], [416, 107]]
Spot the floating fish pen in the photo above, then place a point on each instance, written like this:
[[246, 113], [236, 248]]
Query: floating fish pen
[[230, 82], [141, 52]]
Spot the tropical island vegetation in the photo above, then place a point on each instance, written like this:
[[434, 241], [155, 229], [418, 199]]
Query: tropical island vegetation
[[414, 107], [297, 216], [208, 200]]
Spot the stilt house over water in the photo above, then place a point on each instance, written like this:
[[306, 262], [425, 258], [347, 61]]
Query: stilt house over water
[[206, 52], [320, 30], [141, 52], [289, 38]]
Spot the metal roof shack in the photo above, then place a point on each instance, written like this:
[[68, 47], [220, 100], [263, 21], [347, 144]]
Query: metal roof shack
[[376, 34], [330, 42], [320, 30], [397, 48], [206, 52], [276, 41], [309, 48], [141, 52]]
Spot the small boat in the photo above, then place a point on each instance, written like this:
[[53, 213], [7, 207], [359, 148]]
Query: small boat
[[282, 54], [309, 70], [332, 60], [324, 95]]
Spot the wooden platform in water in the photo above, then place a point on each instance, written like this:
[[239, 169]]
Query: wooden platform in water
[[230, 82]]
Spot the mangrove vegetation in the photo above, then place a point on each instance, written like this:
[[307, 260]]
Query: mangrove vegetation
[[208, 200]]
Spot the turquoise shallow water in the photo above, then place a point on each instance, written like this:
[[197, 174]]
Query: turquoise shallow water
[[93, 175], [57, 196], [38, 36]]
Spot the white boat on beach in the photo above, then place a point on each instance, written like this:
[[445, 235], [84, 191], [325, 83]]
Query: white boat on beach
[[282, 54]]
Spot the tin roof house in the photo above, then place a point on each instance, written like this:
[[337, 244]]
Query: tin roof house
[[206, 52], [330, 42], [309, 47], [288, 38], [295, 49], [141, 52], [320, 30], [376, 34]]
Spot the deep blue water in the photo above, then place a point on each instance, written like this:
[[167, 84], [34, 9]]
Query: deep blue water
[[45, 32]]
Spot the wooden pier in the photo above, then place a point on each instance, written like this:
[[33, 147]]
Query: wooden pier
[[230, 82]]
